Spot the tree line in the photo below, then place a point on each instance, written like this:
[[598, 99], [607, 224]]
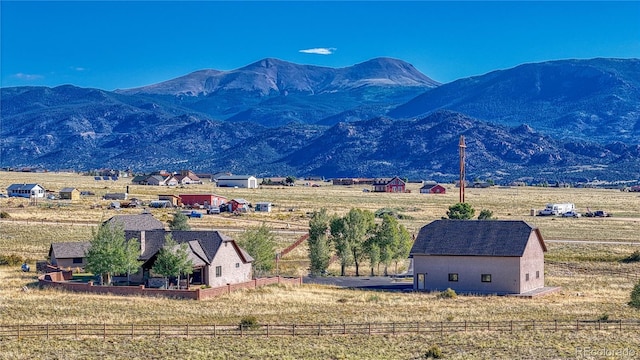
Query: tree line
[[354, 239]]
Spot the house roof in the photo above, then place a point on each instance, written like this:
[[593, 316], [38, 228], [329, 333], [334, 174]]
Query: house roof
[[22, 187], [240, 201], [474, 238], [68, 250], [430, 186], [138, 222], [139, 178], [209, 242], [67, 190], [235, 177]]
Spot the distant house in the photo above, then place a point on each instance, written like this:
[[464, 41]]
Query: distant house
[[187, 177], [202, 199], [433, 189], [481, 184], [394, 184], [479, 256], [26, 191], [241, 181], [69, 254], [69, 193], [274, 181]]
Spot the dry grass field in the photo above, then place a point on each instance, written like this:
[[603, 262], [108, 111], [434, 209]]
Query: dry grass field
[[591, 293]]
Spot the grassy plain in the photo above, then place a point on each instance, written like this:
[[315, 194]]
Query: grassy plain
[[588, 294]]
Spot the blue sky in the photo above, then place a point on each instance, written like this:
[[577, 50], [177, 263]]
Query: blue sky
[[111, 45]]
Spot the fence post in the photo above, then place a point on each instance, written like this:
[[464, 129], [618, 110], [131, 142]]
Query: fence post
[[488, 325], [577, 325], [214, 330], [511, 326], [18, 331], [465, 326], [187, 331], [104, 331], [159, 330], [418, 327], [132, 330], [76, 330], [267, 330], [533, 325], [344, 328], [319, 329], [294, 329], [393, 328], [599, 324], [47, 331], [369, 328], [555, 325], [241, 330], [620, 322]]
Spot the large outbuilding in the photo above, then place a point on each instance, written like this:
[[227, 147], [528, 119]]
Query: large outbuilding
[[26, 191], [241, 181], [478, 256]]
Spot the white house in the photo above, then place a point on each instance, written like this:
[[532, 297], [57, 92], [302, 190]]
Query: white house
[[26, 191], [478, 256], [241, 181]]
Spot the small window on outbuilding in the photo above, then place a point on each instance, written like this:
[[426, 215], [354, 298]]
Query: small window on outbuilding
[[453, 277], [237, 265], [218, 271], [77, 260], [485, 277], [537, 274], [526, 277]]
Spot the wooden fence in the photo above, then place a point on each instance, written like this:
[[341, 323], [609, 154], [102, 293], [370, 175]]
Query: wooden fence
[[78, 331]]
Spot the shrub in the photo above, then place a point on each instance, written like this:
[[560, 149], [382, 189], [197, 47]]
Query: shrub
[[634, 257], [448, 294], [635, 296], [249, 322], [604, 317], [434, 352], [11, 260], [4, 215]]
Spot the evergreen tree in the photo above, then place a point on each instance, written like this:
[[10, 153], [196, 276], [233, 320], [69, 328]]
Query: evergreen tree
[[461, 211], [319, 247], [260, 243], [485, 215], [172, 260], [179, 221]]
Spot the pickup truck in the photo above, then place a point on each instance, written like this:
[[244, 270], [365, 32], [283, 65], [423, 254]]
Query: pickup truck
[[195, 214], [597, 213]]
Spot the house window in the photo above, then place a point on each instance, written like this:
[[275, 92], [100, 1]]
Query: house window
[[237, 265], [485, 277], [453, 277], [537, 274], [218, 271], [526, 277], [77, 260]]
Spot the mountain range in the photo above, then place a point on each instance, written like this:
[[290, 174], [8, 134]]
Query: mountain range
[[557, 120]]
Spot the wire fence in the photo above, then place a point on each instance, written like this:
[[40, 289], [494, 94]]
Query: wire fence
[[104, 331]]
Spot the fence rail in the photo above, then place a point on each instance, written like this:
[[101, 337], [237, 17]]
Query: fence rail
[[186, 330]]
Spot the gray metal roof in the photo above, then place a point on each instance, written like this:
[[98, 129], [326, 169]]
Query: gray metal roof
[[140, 222], [474, 238], [22, 186], [210, 242], [67, 190], [68, 250]]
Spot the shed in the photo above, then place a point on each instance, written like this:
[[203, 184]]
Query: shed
[[69, 193], [26, 190], [433, 189], [202, 199], [263, 207], [68, 254]]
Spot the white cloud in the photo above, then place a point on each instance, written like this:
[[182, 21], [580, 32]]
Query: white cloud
[[319, 51], [28, 77]]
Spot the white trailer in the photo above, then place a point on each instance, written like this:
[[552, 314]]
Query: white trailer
[[557, 209]]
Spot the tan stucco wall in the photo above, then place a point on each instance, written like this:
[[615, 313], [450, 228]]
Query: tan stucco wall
[[227, 257], [532, 260], [504, 272]]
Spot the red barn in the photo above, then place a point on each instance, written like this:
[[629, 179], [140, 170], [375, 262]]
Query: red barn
[[203, 199], [433, 189], [388, 185]]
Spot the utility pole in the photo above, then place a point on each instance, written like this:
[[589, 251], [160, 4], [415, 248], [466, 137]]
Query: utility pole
[[462, 146]]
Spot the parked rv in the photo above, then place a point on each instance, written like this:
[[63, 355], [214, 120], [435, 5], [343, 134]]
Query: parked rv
[[557, 209]]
